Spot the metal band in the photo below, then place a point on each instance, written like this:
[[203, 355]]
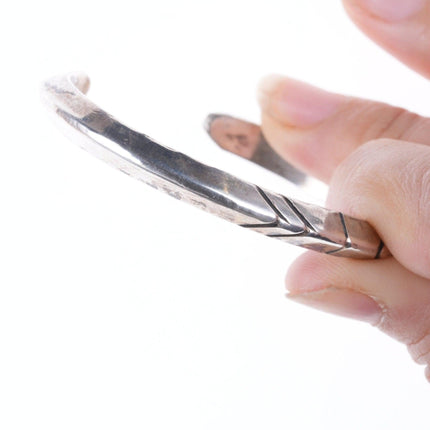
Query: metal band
[[208, 188]]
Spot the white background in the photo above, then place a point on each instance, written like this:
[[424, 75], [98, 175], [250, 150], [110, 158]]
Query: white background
[[121, 308]]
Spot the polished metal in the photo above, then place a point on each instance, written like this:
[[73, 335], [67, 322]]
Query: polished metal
[[246, 140], [208, 188]]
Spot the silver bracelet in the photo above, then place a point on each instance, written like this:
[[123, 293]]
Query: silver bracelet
[[208, 188]]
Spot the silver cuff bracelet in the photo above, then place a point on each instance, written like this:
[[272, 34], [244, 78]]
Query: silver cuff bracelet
[[208, 188]]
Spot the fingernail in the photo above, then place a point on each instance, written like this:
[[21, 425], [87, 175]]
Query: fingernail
[[296, 103], [391, 10], [343, 302]]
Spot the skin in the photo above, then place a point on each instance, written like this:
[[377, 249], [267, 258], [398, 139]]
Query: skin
[[376, 159]]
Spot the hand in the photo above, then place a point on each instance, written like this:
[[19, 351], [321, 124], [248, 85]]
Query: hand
[[377, 160]]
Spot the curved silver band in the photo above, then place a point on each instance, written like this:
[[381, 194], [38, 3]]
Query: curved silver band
[[208, 188]]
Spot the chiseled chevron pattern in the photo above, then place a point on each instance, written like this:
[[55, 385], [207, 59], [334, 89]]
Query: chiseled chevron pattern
[[317, 228], [208, 188]]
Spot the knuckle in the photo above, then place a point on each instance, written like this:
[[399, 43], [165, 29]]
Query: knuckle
[[408, 126], [420, 350], [401, 124], [414, 182]]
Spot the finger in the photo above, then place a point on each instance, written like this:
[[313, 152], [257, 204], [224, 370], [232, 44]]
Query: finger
[[402, 27], [381, 292], [387, 183], [315, 130]]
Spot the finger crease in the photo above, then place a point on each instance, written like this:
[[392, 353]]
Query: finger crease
[[421, 356], [421, 339], [385, 131]]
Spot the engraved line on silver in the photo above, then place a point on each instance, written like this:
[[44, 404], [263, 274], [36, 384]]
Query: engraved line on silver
[[208, 188]]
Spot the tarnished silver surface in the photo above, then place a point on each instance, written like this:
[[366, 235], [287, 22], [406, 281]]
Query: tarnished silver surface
[[208, 188], [246, 140]]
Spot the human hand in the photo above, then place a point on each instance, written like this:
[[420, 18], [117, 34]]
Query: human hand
[[376, 159]]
